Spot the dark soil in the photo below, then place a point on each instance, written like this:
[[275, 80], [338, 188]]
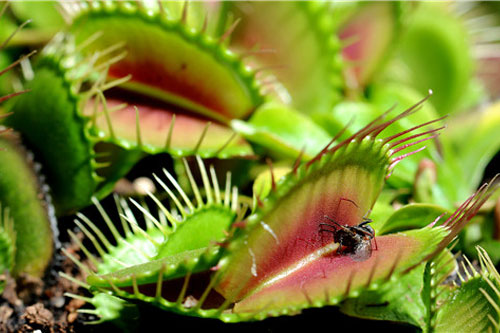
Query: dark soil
[[29, 303]]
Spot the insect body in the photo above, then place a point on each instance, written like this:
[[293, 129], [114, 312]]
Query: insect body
[[354, 241]]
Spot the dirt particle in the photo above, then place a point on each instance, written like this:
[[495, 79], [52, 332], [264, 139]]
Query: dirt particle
[[5, 313], [37, 316]]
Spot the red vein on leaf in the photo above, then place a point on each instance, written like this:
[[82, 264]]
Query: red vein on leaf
[[407, 112], [433, 223], [396, 160], [397, 143], [306, 295], [365, 131], [184, 12], [205, 24], [466, 212], [226, 144], [15, 63]]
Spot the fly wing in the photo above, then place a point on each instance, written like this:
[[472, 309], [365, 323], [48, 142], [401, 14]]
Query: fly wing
[[363, 251]]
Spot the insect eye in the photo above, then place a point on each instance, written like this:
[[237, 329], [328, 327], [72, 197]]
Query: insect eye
[[370, 229]]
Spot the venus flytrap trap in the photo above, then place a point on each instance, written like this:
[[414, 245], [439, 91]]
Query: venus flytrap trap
[[190, 117], [24, 202], [472, 306], [173, 243], [370, 32], [240, 70], [407, 299], [24, 195], [300, 269], [58, 106], [296, 41], [438, 296]]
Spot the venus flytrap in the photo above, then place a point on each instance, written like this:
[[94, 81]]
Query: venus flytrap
[[23, 193], [472, 306], [173, 243], [165, 125], [24, 203], [84, 71], [248, 274], [301, 269], [221, 80]]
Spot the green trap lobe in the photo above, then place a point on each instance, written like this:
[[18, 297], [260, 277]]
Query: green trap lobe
[[54, 130], [127, 251], [333, 276], [296, 43], [283, 130], [204, 228], [171, 63], [148, 272], [372, 29], [160, 131], [290, 231], [20, 193]]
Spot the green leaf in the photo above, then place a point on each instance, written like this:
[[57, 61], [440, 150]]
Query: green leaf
[[470, 144], [172, 244], [49, 119], [435, 51], [204, 228], [413, 216], [283, 131], [22, 194], [397, 300], [263, 183], [472, 307], [356, 114], [150, 272], [298, 43]]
